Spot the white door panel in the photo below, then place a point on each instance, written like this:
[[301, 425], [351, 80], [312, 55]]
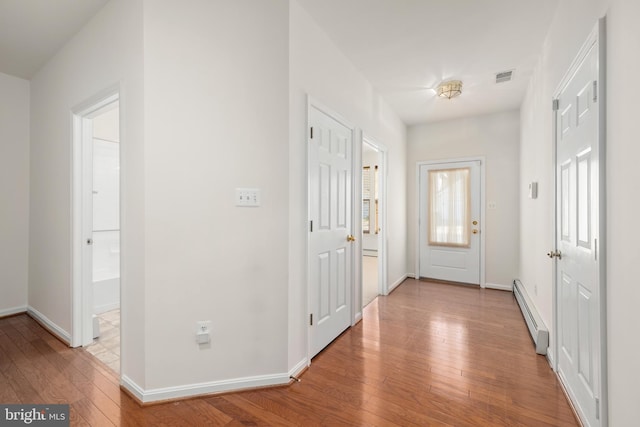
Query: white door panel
[[459, 261], [578, 294], [330, 253]]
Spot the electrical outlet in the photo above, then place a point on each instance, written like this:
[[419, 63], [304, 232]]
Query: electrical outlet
[[203, 331], [203, 326]]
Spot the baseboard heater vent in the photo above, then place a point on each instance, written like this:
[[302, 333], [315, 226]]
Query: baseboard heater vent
[[538, 330]]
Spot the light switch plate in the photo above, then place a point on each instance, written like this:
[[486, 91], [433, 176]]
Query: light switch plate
[[247, 197]]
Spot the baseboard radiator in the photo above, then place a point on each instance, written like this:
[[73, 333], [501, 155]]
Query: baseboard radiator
[[538, 330]]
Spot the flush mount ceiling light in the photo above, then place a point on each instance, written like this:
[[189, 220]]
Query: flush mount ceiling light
[[450, 89]]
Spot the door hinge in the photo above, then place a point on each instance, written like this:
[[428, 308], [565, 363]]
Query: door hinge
[[311, 132], [556, 104], [311, 319], [597, 408], [595, 90], [311, 226]]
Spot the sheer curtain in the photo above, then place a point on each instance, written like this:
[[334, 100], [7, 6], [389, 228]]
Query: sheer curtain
[[449, 207]]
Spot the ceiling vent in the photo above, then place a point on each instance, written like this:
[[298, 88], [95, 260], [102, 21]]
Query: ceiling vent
[[505, 76]]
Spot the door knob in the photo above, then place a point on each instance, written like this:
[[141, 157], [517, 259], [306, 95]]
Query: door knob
[[351, 238], [474, 231], [555, 254]]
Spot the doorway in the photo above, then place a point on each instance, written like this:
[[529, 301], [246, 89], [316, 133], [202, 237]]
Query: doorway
[[450, 221], [372, 209], [97, 230]]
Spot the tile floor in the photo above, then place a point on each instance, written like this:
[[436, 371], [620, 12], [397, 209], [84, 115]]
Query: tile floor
[[106, 348]]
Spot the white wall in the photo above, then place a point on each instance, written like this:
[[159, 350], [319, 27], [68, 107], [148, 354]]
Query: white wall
[[494, 137], [573, 22], [319, 69], [14, 193], [106, 52], [216, 84]]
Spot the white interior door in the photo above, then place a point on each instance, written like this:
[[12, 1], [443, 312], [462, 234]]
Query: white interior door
[[577, 237], [330, 235], [449, 223]]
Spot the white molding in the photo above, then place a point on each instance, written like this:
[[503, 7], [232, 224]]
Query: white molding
[[299, 367], [357, 318], [550, 358], [13, 310], [398, 282], [499, 287], [132, 387], [48, 324], [199, 389], [99, 309], [411, 276]]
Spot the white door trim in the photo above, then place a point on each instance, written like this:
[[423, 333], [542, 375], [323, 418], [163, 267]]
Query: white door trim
[[314, 103], [597, 37], [483, 215], [82, 296]]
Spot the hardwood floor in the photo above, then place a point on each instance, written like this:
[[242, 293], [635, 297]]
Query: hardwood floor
[[428, 354]]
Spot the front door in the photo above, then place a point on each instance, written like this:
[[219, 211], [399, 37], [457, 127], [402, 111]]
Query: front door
[[330, 233], [449, 230], [577, 237]]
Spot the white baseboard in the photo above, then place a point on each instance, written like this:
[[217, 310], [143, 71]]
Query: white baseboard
[[499, 287], [357, 317], [132, 387], [199, 389], [411, 276], [13, 310], [550, 358], [398, 282], [47, 323], [300, 366], [99, 309]]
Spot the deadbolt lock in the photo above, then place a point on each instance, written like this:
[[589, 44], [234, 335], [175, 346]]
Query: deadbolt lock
[[475, 223]]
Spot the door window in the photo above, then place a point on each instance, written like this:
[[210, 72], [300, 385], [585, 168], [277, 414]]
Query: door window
[[449, 207]]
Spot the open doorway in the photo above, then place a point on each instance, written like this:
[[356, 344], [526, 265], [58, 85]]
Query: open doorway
[[372, 216], [97, 230]]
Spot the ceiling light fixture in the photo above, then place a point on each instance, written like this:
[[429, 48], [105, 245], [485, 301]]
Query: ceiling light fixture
[[450, 89]]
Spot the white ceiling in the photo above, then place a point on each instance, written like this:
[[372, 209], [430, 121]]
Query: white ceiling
[[406, 47], [32, 31], [403, 47]]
